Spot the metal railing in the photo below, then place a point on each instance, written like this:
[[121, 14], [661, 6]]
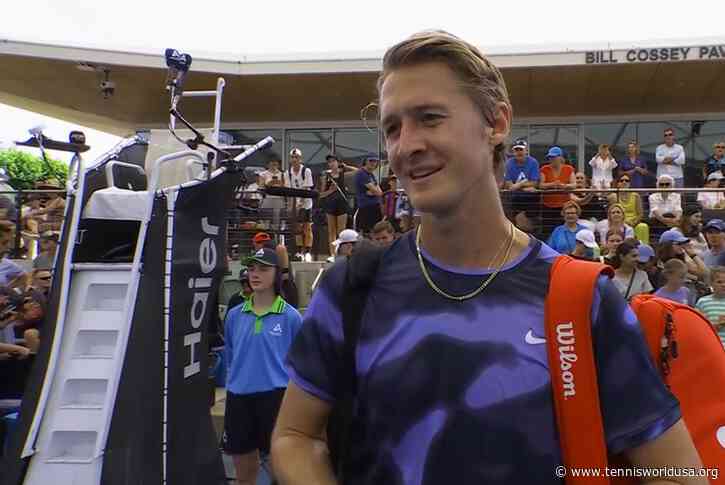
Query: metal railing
[[545, 219]]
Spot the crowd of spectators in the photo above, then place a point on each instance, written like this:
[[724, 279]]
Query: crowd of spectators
[[28, 244], [665, 241]]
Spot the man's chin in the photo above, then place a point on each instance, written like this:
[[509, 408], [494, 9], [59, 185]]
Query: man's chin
[[432, 204]]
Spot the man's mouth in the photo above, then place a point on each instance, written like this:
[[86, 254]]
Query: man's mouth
[[423, 173]]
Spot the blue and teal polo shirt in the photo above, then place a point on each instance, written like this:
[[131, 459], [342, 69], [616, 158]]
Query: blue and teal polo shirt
[[257, 345]]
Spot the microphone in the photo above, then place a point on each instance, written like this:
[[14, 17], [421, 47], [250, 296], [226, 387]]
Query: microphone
[[178, 65], [37, 130]]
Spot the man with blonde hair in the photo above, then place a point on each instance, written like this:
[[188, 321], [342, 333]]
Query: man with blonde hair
[[452, 384]]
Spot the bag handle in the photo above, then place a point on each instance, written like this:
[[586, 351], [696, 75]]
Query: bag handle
[[629, 287], [572, 366]]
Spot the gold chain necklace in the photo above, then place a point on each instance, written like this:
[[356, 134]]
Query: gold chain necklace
[[488, 280]]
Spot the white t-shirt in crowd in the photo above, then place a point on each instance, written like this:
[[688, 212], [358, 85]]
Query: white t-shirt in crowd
[[709, 200], [300, 180], [672, 204], [602, 172], [640, 284], [677, 153]]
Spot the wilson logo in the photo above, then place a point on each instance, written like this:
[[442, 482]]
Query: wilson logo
[[565, 340]]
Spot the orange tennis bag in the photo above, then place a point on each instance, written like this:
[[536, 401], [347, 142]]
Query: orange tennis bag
[[682, 344]]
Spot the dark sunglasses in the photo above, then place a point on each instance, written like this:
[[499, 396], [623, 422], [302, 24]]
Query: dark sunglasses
[[665, 185], [669, 134], [624, 180], [722, 147]]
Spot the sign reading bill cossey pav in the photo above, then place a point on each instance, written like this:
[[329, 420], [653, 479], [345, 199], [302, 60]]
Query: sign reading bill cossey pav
[[658, 54]]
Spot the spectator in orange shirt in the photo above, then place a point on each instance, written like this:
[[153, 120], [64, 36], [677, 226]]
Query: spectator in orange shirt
[[557, 175]]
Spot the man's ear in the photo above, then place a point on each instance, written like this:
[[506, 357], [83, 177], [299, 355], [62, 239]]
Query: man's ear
[[502, 123]]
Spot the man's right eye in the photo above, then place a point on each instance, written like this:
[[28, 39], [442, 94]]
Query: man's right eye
[[390, 130]]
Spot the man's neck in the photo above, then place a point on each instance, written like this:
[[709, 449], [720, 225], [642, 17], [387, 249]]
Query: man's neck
[[572, 225], [670, 144], [297, 167], [262, 300], [472, 234], [520, 161], [719, 296]]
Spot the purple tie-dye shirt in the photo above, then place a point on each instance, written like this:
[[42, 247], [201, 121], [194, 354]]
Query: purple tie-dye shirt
[[456, 393]]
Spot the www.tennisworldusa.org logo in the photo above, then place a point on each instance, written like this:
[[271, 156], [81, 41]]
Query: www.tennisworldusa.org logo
[[567, 356]]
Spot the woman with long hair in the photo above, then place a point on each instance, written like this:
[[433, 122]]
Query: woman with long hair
[[333, 197], [628, 279], [614, 222], [691, 227]]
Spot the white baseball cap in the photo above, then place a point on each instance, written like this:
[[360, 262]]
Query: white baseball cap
[[346, 236], [295, 152], [586, 237], [665, 178], [715, 176]]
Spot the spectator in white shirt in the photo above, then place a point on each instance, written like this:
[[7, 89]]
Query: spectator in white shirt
[[670, 158], [715, 199], [300, 177], [602, 165], [665, 208]]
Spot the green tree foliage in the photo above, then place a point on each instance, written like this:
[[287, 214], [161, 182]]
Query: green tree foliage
[[24, 169]]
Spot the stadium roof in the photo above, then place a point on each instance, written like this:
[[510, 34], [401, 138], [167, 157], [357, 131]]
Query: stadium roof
[[545, 82]]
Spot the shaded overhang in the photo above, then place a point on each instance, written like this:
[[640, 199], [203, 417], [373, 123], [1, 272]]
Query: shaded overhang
[[59, 81]]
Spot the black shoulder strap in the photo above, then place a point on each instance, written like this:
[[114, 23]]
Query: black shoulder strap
[[362, 267]]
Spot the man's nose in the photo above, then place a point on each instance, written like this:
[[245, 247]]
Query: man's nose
[[411, 139]]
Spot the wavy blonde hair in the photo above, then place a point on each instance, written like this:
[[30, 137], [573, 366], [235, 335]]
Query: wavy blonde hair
[[479, 78]]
